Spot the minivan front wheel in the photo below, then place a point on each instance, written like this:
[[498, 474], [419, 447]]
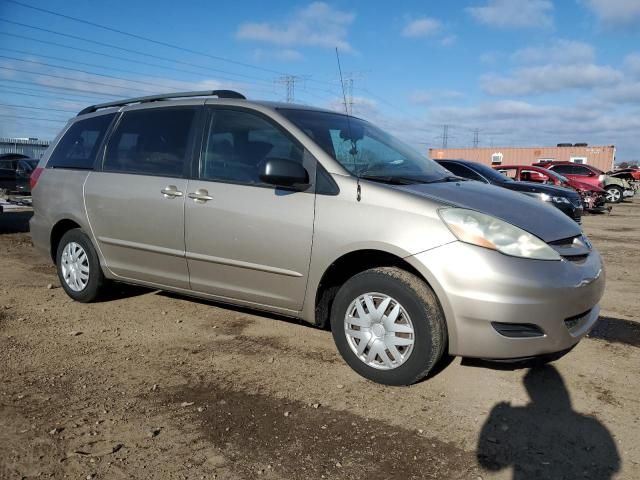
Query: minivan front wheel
[[78, 267], [388, 326]]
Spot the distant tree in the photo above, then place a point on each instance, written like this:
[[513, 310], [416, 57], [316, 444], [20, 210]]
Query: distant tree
[[623, 165]]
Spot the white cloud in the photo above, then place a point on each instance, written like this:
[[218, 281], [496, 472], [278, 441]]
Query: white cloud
[[427, 97], [281, 55], [632, 64], [316, 25], [550, 78], [448, 40], [514, 13], [422, 27], [614, 13], [560, 51]]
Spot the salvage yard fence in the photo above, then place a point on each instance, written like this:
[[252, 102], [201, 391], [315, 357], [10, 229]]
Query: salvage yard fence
[[31, 147]]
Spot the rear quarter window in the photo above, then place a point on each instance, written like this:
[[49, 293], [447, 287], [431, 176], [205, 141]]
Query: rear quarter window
[[78, 147]]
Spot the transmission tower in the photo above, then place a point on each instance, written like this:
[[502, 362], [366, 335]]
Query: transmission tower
[[289, 81], [476, 132], [445, 136]]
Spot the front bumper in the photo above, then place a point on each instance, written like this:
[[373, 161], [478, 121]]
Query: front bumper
[[572, 211], [478, 287]]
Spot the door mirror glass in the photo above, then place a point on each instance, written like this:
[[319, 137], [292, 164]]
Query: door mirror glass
[[284, 173]]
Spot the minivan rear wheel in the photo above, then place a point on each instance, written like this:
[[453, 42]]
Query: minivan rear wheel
[[388, 326], [78, 267]]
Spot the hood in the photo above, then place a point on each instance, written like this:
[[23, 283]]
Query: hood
[[535, 187], [530, 214], [586, 186]]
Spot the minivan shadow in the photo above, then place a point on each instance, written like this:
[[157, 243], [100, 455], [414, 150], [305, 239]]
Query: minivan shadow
[[546, 438]]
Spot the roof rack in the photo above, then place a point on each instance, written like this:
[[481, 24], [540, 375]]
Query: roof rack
[[164, 96]]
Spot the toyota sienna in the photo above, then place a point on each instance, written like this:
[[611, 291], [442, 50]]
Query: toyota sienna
[[316, 215]]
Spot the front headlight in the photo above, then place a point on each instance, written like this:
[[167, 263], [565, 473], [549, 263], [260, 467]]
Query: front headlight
[[550, 198], [490, 232]]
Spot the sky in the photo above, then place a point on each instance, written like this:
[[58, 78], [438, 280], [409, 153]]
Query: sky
[[512, 72]]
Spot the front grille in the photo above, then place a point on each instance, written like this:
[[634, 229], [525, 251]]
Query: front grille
[[575, 249], [517, 330], [573, 322]]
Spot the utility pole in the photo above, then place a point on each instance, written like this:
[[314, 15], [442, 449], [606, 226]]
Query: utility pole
[[476, 132], [289, 81]]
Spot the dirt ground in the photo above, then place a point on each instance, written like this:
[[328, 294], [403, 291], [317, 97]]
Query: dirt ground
[[152, 385]]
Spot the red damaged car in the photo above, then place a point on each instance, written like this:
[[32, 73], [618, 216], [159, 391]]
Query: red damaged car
[[593, 197]]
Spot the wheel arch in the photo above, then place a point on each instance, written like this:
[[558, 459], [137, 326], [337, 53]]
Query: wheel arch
[[59, 229], [345, 267]]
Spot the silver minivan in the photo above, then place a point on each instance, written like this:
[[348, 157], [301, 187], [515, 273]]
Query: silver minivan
[[315, 215]]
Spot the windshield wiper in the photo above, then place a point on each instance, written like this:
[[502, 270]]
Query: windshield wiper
[[450, 178], [392, 179]]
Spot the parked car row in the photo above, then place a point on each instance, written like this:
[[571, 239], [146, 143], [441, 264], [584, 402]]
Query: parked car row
[[617, 188], [320, 216], [565, 199], [593, 197], [15, 171]]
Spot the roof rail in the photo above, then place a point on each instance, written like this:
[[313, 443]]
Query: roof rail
[[164, 96]]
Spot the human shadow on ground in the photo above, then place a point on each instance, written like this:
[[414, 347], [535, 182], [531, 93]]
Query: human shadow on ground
[[546, 439]]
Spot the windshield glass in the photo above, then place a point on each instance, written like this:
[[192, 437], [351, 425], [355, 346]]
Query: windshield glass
[[365, 150], [557, 176], [27, 165], [489, 173]]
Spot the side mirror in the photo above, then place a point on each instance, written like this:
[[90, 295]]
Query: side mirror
[[284, 173], [591, 174]]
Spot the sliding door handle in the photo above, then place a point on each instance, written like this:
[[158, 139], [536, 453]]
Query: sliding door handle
[[171, 191], [200, 196]]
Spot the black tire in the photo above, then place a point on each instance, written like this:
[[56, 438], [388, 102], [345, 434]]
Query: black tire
[[419, 302], [616, 192], [94, 286]]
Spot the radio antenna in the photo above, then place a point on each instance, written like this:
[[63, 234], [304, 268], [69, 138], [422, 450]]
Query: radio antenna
[[354, 150]]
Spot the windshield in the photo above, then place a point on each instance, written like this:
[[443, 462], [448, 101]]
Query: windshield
[[27, 165], [489, 173], [365, 150], [557, 176]]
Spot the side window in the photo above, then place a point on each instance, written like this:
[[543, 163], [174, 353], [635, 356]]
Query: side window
[[462, 171], [512, 173], [563, 169], [238, 143], [579, 170], [79, 146], [154, 141]]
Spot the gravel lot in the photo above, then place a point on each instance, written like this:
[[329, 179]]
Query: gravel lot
[[152, 385]]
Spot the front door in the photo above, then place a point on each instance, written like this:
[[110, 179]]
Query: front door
[[246, 240], [136, 203]]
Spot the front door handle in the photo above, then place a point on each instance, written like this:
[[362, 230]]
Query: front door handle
[[171, 191], [200, 196]]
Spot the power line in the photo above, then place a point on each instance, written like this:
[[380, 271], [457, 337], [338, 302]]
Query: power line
[[21, 91], [147, 39], [103, 44], [121, 87], [36, 108], [141, 82], [23, 82], [34, 118], [140, 62]]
